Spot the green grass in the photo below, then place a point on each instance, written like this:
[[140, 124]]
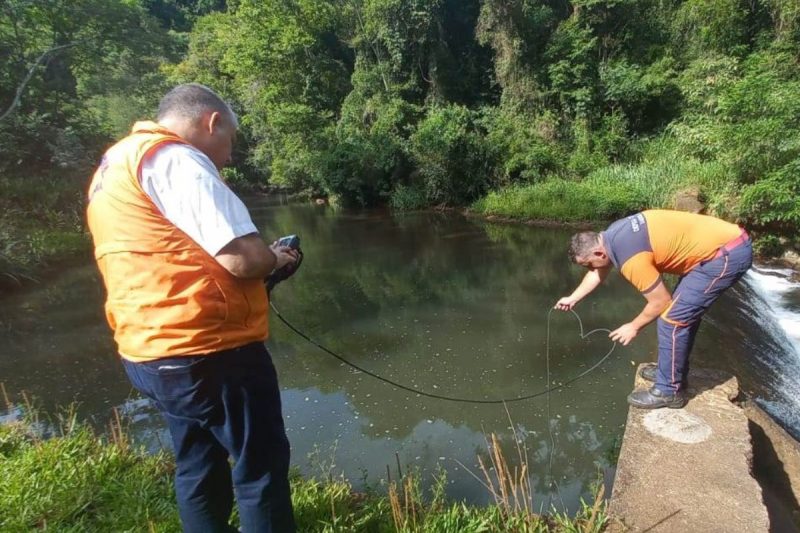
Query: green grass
[[80, 482], [612, 191], [77, 482], [41, 224]]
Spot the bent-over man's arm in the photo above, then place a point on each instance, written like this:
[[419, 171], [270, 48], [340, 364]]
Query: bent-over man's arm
[[658, 299], [589, 283]]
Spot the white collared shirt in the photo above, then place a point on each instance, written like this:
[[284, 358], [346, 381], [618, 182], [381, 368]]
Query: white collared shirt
[[186, 187]]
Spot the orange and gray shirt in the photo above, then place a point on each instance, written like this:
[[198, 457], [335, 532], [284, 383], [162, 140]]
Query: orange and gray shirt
[[166, 295], [647, 244]]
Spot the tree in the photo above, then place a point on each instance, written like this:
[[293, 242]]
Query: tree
[[63, 57]]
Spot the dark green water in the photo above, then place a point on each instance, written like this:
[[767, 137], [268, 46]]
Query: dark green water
[[436, 301]]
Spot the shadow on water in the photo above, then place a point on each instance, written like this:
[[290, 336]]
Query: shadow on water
[[432, 300]]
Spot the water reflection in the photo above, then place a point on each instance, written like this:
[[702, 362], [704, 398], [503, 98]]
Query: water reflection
[[454, 307], [435, 301]]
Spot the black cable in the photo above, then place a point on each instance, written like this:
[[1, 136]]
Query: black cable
[[452, 398]]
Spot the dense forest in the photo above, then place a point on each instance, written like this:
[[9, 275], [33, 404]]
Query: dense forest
[[555, 109]]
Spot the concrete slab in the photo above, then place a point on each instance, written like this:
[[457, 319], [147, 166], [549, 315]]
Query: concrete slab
[[689, 470]]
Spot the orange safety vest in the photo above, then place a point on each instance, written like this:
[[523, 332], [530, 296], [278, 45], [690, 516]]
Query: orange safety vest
[[166, 296]]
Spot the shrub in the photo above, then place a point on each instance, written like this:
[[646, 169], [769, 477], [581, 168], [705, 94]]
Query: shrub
[[367, 148], [523, 148], [450, 152], [773, 201], [408, 197], [768, 246]]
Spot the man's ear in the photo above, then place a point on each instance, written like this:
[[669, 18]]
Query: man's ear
[[214, 122]]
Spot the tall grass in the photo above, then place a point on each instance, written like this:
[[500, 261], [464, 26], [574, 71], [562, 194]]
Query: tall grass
[[41, 223], [77, 481], [613, 191], [513, 509]]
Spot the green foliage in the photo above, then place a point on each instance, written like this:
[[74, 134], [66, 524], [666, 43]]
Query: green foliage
[[41, 222], [562, 200], [78, 481], [518, 33], [605, 194], [595, 147], [451, 154], [712, 25], [775, 200], [647, 95], [332, 506], [408, 197], [524, 148], [745, 115], [420, 102], [768, 246], [572, 67], [283, 64], [368, 147], [366, 101], [79, 54], [180, 14]]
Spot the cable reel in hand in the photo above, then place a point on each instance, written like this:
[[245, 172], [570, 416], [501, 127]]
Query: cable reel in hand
[[289, 269]]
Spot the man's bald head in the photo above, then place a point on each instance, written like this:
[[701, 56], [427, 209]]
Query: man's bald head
[[198, 115], [192, 101]]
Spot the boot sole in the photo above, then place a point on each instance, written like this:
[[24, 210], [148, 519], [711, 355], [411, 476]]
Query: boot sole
[[680, 405]]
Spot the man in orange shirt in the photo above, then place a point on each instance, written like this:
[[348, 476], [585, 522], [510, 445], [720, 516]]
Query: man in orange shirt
[[183, 266], [709, 254]]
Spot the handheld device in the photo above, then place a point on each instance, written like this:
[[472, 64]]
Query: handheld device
[[292, 241], [286, 271]]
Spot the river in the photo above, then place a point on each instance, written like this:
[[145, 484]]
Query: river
[[437, 302]]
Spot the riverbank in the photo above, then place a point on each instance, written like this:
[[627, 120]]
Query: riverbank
[[788, 258], [619, 190], [77, 480], [41, 228], [42, 223]]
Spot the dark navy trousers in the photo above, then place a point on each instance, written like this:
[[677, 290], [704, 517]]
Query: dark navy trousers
[[692, 297], [221, 406]]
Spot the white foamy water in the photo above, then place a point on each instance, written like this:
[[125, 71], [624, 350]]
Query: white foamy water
[[775, 286], [776, 292]]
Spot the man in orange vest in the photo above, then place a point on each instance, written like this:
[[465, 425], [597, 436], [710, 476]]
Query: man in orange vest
[[183, 266], [709, 254]]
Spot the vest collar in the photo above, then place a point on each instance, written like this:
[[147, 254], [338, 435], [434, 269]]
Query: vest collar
[[148, 126]]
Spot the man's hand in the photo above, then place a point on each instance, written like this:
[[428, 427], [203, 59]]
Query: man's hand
[[283, 255], [624, 334], [566, 303], [591, 280]]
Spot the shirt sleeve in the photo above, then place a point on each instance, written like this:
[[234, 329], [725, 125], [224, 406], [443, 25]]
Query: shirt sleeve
[[186, 187], [641, 271]]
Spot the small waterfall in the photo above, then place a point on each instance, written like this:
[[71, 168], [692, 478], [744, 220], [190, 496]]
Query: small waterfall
[[777, 300]]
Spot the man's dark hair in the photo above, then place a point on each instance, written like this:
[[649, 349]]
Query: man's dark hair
[[191, 100], [582, 244]]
